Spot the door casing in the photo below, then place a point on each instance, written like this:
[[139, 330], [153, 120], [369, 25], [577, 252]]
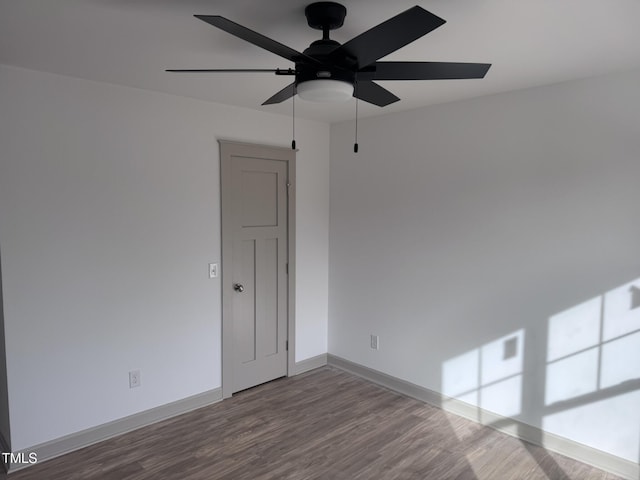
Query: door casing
[[229, 149]]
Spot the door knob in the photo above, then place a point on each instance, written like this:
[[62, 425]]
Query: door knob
[[238, 287]]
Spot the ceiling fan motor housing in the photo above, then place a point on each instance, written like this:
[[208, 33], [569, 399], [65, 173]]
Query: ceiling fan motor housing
[[321, 50], [325, 15]]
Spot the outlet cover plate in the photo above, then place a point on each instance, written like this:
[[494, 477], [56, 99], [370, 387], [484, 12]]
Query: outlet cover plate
[[134, 378]]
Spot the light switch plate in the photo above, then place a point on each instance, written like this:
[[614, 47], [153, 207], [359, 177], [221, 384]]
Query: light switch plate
[[213, 270]]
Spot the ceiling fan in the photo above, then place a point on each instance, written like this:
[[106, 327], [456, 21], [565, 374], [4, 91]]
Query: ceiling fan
[[328, 71]]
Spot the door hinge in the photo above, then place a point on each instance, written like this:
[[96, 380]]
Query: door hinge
[[286, 345], [288, 187], [287, 268]]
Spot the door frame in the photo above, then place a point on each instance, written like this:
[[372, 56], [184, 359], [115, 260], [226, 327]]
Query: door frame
[[228, 149]]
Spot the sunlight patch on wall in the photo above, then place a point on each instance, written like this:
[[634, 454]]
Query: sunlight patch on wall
[[575, 329], [611, 425], [622, 310], [460, 375], [594, 345], [489, 377], [593, 373], [572, 376], [620, 361]]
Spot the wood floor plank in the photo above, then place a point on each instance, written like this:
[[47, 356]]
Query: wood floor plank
[[322, 425]]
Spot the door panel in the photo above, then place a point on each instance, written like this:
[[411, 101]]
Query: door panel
[[259, 244], [260, 205], [244, 319], [269, 308]]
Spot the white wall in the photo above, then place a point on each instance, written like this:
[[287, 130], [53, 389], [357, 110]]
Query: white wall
[[460, 227], [109, 214]]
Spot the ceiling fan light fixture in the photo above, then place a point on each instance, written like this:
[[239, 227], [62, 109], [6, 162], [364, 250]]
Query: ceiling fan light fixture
[[325, 90]]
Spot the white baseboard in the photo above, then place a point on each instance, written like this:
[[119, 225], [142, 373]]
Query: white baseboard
[[75, 441], [310, 364], [528, 433]]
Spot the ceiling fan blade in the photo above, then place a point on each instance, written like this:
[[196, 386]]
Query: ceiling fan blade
[[374, 93], [256, 38], [277, 71], [389, 36], [425, 71], [284, 94]]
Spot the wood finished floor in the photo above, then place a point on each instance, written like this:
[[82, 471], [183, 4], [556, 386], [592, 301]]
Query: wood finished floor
[[325, 424]]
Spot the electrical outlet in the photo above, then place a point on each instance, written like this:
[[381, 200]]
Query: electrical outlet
[[134, 378], [375, 342]]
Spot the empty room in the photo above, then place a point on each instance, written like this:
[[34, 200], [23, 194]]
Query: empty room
[[295, 240]]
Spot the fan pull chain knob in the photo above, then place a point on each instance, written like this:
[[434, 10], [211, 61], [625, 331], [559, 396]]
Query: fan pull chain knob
[[293, 118], [355, 145]]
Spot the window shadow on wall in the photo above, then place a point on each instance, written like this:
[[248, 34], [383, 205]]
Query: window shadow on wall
[[588, 391]]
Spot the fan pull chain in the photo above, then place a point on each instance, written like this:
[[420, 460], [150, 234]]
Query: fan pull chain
[[355, 145], [293, 142]]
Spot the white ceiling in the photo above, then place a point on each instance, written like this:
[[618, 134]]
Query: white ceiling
[[131, 42]]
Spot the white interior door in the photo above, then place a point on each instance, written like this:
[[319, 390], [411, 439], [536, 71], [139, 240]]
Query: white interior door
[[255, 226]]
